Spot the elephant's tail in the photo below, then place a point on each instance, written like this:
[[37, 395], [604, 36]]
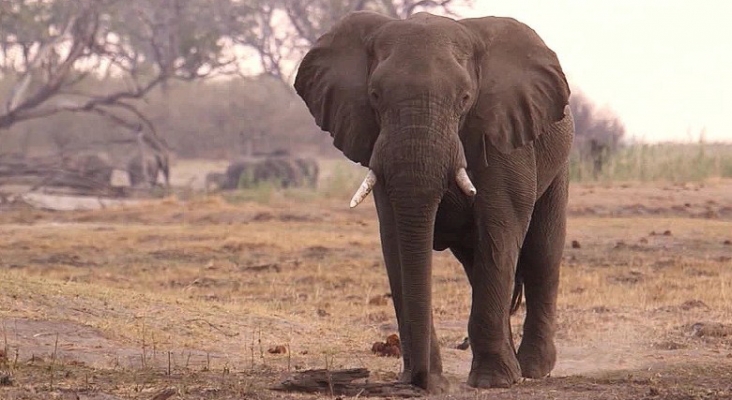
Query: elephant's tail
[[518, 291]]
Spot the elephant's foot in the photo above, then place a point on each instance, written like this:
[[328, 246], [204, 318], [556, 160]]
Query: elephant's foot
[[494, 370], [437, 383], [405, 377], [536, 357]]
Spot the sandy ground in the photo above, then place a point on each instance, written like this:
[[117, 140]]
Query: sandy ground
[[191, 296]]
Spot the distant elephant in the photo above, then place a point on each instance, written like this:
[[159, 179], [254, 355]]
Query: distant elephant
[[466, 131], [95, 168], [155, 163], [274, 153], [239, 174], [280, 171], [310, 170], [215, 181]]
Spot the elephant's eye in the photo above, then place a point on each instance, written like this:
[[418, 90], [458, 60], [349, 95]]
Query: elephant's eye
[[465, 100], [374, 95], [375, 98]]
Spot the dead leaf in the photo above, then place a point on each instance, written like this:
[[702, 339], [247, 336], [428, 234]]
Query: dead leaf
[[464, 345], [279, 349], [390, 348], [165, 394], [379, 300]]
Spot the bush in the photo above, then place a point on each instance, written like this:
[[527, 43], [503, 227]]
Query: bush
[[673, 162], [598, 134]]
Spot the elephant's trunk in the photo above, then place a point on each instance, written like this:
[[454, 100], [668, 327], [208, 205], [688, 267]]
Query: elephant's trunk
[[416, 163], [415, 231]]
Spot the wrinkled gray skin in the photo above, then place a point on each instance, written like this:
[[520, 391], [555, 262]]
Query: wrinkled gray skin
[[156, 164], [415, 100]]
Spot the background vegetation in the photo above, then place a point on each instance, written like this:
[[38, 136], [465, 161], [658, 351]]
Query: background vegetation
[[213, 81]]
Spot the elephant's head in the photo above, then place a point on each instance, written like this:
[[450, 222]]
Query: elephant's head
[[406, 98]]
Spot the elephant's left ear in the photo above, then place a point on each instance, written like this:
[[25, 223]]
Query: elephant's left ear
[[521, 90]]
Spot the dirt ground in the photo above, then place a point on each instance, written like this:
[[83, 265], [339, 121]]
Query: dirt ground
[[214, 299]]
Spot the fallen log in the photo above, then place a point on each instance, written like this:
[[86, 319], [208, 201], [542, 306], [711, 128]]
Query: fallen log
[[45, 175], [341, 383]]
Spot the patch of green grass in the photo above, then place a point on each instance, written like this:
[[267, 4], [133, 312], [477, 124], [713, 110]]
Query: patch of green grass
[[261, 193]]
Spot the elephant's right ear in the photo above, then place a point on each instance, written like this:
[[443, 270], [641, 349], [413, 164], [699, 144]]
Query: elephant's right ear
[[333, 81]]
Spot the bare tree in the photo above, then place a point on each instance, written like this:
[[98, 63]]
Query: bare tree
[[116, 60], [597, 132], [285, 29], [312, 18], [50, 50]]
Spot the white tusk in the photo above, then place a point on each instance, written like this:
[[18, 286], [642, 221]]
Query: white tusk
[[366, 187], [463, 181]]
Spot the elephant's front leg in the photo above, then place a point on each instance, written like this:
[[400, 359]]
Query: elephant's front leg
[[390, 248], [502, 219]]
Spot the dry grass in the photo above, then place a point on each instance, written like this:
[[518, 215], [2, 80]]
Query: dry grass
[[215, 284]]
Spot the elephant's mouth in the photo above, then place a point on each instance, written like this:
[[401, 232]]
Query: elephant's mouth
[[461, 178]]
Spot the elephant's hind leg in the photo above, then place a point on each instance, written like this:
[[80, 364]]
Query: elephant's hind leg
[[541, 255]]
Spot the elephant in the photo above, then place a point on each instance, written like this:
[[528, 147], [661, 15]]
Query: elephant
[[310, 171], [95, 168], [239, 173], [274, 153], [155, 163], [282, 172], [465, 129], [215, 181], [249, 174]]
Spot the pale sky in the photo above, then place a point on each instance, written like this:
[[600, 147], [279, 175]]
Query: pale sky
[[663, 66]]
